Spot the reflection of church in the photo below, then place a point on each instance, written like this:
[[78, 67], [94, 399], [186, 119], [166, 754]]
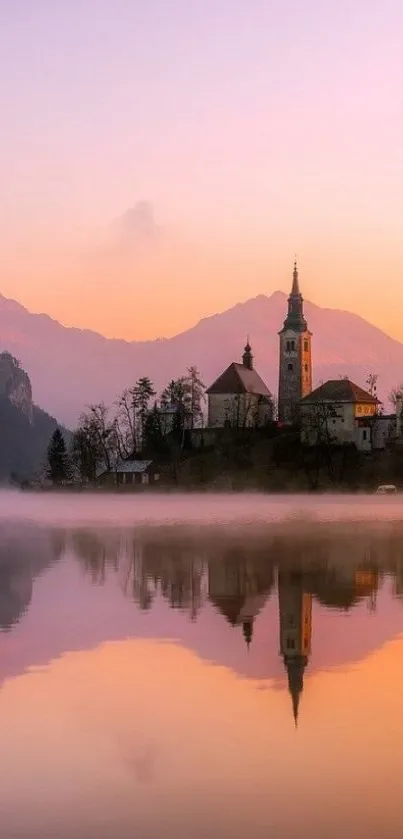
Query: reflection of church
[[295, 610], [238, 587]]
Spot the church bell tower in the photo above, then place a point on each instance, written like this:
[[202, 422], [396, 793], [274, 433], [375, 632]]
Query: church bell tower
[[295, 368]]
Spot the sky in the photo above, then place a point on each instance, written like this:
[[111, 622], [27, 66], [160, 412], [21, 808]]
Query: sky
[[164, 160]]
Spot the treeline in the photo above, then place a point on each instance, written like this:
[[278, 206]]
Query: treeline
[[138, 424]]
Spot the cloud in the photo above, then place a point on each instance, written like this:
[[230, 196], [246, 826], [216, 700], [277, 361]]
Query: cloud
[[138, 224]]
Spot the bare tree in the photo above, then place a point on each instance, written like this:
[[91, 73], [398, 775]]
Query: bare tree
[[196, 393], [126, 422], [395, 394], [317, 420], [86, 452], [132, 411], [243, 410], [372, 382]]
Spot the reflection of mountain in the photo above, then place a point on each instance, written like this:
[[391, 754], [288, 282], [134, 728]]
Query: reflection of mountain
[[25, 552]]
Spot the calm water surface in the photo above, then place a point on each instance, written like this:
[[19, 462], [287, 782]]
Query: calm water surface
[[206, 667]]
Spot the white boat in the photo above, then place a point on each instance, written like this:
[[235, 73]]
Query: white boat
[[386, 489]]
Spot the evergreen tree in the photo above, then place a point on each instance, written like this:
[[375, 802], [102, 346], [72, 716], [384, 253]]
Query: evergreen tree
[[143, 392], [154, 441], [58, 462]]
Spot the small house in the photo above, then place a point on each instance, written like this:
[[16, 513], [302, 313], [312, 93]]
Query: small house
[[131, 472]]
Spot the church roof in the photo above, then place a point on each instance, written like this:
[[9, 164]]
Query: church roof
[[239, 379], [339, 390], [239, 608]]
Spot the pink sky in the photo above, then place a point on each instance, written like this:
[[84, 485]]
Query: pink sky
[[253, 131]]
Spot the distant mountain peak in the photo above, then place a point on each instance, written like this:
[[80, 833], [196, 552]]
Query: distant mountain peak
[[98, 368]]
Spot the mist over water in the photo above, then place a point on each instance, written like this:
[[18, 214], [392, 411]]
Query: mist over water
[[188, 665], [103, 509]]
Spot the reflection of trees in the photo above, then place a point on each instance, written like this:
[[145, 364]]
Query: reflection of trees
[[340, 569], [25, 552], [177, 572], [144, 567], [96, 550]]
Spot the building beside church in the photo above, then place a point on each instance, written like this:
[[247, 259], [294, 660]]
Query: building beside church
[[340, 412], [239, 397], [295, 363]]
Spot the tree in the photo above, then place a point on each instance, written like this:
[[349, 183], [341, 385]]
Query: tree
[[243, 410], [104, 432], [126, 423], [154, 441], [143, 392], [92, 444], [196, 394], [316, 419], [395, 394], [133, 408], [177, 393], [58, 461], [372, 382]]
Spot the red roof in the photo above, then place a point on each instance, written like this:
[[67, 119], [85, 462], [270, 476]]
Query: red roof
[[340, 390], [239, 379]]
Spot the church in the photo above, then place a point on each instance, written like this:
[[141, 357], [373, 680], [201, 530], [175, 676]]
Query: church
[[239, 398], [338, 411]]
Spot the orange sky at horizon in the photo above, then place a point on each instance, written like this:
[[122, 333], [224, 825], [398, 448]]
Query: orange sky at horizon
[[150, 290], [106, 763]]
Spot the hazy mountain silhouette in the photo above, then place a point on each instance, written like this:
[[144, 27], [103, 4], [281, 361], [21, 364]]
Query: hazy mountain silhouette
[[70, 368]]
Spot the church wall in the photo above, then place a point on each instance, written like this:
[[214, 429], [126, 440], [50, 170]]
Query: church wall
[[238, 411]]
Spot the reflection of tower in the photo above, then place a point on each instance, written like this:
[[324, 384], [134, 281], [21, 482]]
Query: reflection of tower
[[295, 606]]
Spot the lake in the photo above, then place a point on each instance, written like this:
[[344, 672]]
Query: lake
[[201, 666]]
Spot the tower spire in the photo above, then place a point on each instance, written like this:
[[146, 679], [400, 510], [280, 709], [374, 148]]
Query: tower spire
[[247, 358], [295, 672], [247, 629], [295, 317], [295, 280]]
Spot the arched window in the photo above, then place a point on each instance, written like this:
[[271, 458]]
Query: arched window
[[290, 367]]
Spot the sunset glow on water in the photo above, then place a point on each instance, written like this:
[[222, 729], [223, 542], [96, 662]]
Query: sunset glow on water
[[167, 676]]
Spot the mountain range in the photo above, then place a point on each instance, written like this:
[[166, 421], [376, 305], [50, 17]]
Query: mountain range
[[71, 368]]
